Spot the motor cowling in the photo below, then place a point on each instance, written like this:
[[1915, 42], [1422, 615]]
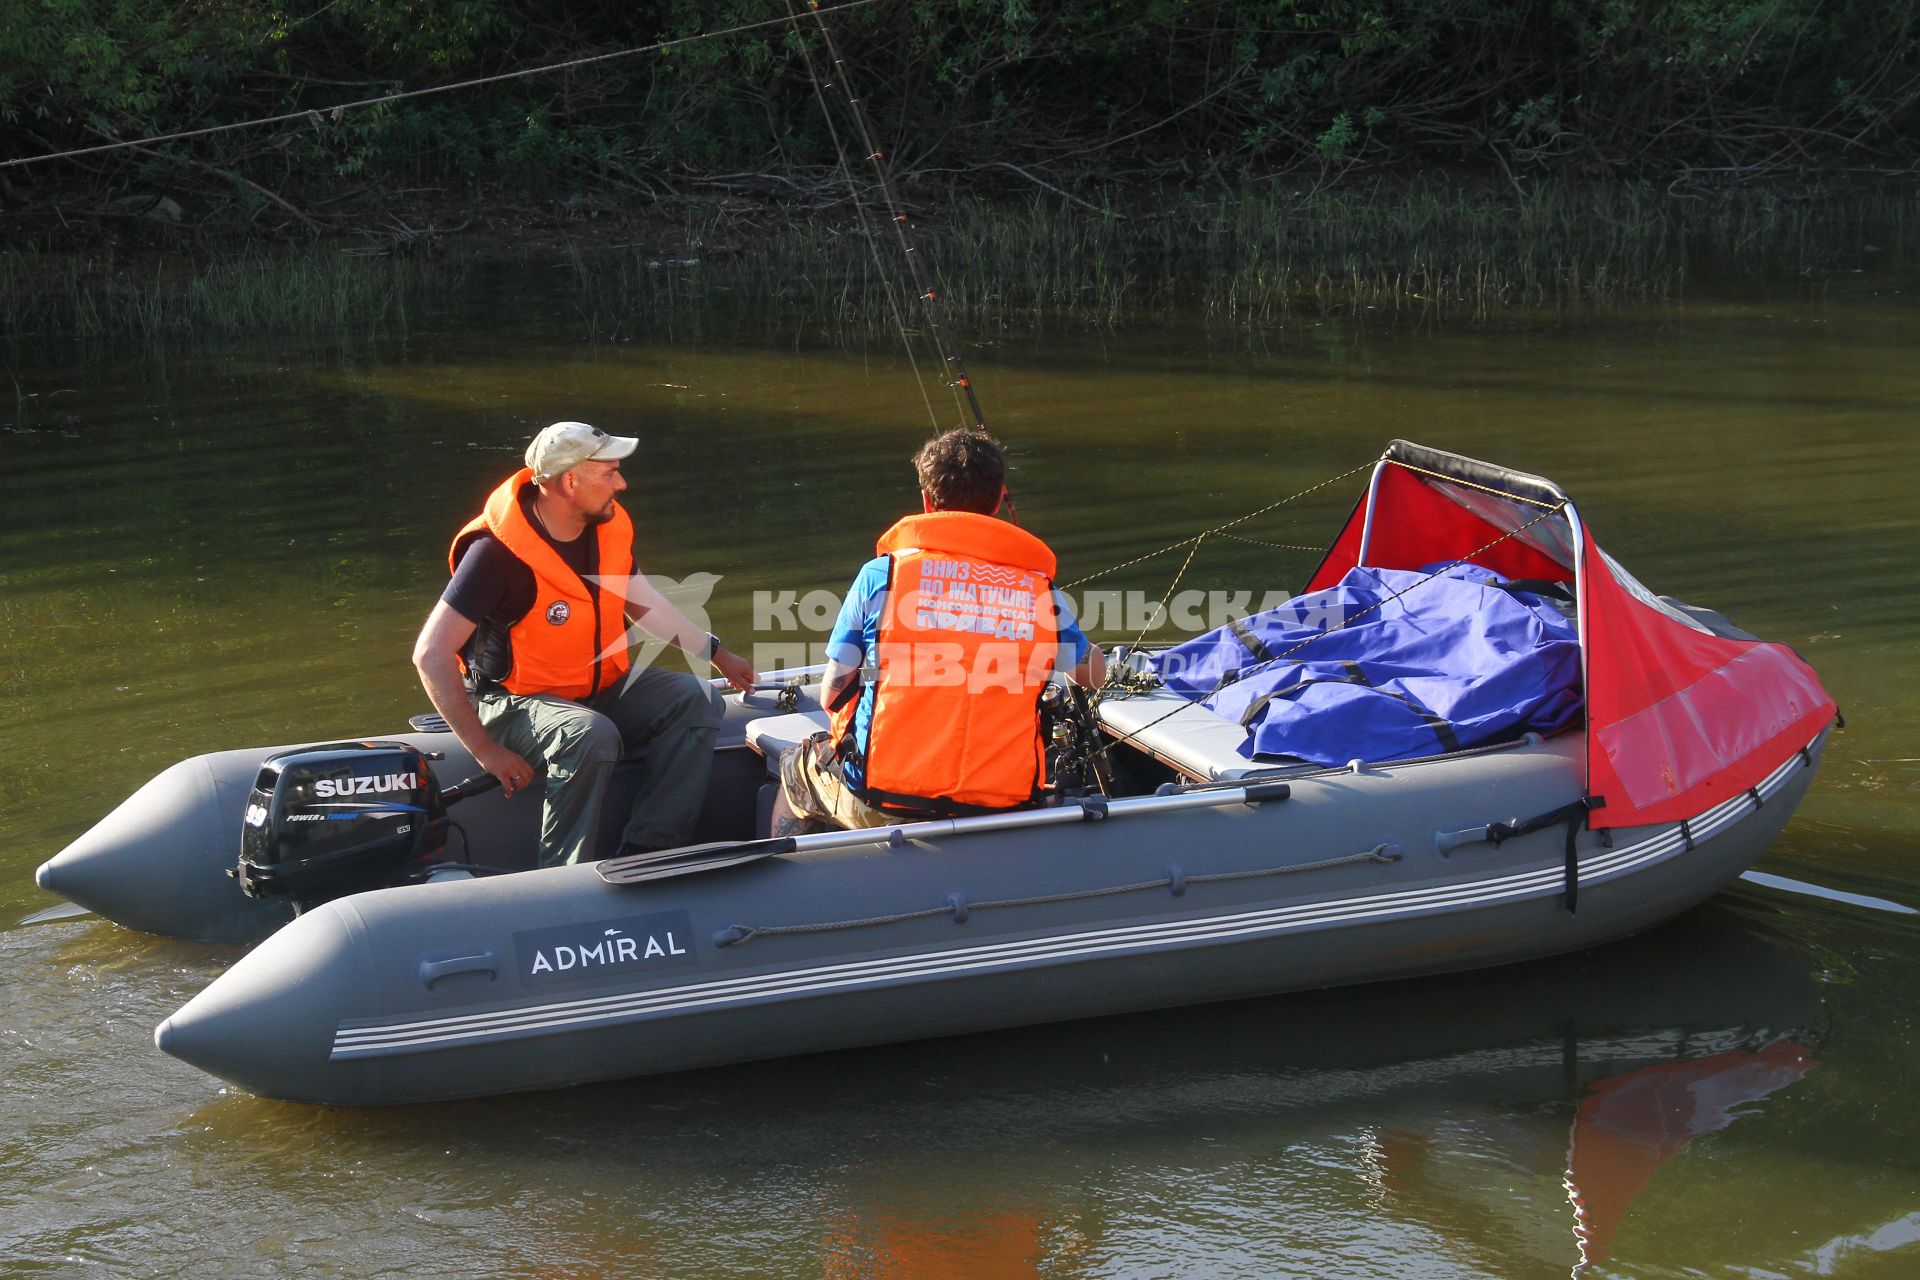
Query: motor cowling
[[344, 817]]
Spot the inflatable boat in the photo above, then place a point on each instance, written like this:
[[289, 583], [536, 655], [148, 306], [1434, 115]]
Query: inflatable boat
[[1183, 869]]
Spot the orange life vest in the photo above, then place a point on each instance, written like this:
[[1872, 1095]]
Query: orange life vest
[[967, 635], [572, 642]]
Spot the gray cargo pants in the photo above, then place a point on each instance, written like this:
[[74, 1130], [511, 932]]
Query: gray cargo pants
[[673, 715]]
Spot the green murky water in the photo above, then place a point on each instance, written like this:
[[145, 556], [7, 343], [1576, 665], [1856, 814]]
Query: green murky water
[[235, 546]]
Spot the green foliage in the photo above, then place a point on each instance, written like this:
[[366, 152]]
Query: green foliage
[[1119, 86], [1338, 139]]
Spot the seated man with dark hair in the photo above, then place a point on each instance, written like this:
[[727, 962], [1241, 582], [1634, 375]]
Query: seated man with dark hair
[[937, 660]]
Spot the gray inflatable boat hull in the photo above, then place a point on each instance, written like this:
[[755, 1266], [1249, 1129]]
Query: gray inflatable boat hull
[[556, 977]]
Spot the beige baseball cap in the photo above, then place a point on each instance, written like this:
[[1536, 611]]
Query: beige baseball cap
[[565, 445]]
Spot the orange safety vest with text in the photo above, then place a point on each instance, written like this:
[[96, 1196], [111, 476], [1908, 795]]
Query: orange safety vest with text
[[572, 642], [966, 638]]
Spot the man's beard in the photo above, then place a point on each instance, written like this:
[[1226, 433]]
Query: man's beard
[[601, 516]]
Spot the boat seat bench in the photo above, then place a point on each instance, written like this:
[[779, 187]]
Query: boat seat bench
[[1199, 743], [770, 735]]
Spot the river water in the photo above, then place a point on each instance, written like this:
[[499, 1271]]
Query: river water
[[233, 545]]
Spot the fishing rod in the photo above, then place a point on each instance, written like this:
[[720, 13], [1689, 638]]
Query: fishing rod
[[876, 158], [960, 380], [866, 227]]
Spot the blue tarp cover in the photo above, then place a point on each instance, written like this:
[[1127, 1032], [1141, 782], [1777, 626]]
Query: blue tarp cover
[[1458, 661]]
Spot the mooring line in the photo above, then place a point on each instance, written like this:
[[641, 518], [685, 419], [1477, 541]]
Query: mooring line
[[1221, 528]]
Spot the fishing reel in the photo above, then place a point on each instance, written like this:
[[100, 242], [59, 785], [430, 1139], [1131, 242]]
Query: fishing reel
[[1077, 764], [345, 817]]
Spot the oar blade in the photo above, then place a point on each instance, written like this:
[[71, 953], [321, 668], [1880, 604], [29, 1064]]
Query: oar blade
[[58, 911], [641, 868]]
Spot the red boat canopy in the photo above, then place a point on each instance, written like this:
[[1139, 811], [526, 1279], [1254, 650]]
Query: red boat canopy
[[1680, 715]]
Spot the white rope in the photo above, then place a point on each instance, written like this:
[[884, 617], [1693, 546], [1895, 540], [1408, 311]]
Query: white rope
[[335, 112]]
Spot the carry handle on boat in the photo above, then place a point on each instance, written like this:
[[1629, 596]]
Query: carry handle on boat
[[644, 867], [1447, 841]]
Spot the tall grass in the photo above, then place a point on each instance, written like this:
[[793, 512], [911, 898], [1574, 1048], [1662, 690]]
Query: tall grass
[[316, 293], [1238, 259], [1255, 257]]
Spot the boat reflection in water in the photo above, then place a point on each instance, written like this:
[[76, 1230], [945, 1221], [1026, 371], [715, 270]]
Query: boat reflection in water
[[1510, 1119], [1666, 1039], [1631, 1124], [1010, 1244]]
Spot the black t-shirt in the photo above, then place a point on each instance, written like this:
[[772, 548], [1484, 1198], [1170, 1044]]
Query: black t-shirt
[[494, 589]]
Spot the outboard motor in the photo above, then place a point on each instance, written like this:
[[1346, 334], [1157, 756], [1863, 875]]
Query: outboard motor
[[342, 818]]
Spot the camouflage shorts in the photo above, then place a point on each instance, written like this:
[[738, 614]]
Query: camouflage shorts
[[811, 779]]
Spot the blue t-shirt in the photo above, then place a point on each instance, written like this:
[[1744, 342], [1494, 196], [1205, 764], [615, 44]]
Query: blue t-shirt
[[855, 642]]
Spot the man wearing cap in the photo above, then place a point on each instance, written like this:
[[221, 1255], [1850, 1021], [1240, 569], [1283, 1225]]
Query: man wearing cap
[[525, 655]]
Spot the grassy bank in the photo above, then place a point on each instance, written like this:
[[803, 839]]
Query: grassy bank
[[1243, 259]]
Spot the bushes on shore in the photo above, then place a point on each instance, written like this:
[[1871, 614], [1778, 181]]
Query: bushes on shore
[[1068, 94]]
